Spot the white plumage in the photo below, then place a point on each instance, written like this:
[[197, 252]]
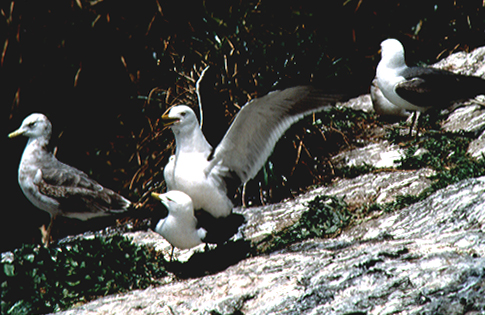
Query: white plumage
[[179, 228], [211, 175], [420, 88], [382, 106]]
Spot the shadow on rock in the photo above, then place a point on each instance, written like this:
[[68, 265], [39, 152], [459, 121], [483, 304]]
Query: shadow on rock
[[211, 261]]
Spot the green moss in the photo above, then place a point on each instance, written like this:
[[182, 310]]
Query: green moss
[[40, 280], [444, 153], [326, 216], [439, 151], [400, 202], [447, 155], [465, 167], [343, 119], [354, 171]]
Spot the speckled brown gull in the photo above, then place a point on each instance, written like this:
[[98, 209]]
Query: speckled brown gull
[[58, 188]]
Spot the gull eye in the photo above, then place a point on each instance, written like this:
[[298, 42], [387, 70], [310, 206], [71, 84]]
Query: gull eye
[[31, 124], [183, 114]]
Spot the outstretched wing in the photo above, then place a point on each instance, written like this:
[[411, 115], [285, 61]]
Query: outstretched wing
[[259, 125]]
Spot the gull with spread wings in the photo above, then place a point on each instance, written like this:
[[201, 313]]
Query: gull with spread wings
[[211, 176]]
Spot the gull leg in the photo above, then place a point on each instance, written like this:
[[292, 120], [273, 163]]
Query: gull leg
[[171, 254], [46, 234], [243, 195], [413, 121], [43, 232], [418, 116]]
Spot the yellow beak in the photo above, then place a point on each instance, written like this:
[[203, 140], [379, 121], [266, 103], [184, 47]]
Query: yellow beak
[[16, 133], [168, 121], [156, 195]]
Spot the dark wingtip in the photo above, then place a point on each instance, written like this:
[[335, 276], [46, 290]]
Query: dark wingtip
[[219, 230]]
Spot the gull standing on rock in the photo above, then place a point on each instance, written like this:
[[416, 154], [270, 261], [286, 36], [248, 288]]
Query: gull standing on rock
[[211, 176], [55, 187], [179, 228], [420, 88]]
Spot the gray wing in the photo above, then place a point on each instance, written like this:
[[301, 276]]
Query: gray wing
[[427, 87], [259, 125], [78, 195]]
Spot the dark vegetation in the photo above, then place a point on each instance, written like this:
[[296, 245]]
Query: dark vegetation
[[39, 280], [326, 216], [104, 71]]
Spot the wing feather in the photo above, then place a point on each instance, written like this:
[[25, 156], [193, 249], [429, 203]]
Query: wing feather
[[261, 122], [427, 87], [78, 195]]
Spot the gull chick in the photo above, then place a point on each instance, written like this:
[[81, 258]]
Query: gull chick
[[58, 188]]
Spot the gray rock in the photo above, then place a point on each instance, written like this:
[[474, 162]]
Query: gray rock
[[380, 155], [477, 147], [428, 258], [469, 119], [362, 103], [472, 63]]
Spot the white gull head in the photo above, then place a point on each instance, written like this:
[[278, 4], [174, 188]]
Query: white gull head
[[35, 126], [182, 119], [179, 228], [392, 54], [178, 203]]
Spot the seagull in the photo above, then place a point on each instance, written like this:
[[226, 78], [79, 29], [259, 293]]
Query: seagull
[[420, 88], [179, 228], [58, 188], [211, 176], [382, 106]]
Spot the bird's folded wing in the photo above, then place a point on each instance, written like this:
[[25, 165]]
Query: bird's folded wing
[[428, 87], [76, 192], [261, 122], [60, 174]]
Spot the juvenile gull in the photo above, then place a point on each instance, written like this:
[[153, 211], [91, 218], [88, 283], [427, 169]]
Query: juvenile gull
[[420, 88], [210, 176], [179, 228], [55, 187]]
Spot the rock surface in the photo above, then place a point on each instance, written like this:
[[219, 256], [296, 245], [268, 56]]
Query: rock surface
[[427, 258]]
